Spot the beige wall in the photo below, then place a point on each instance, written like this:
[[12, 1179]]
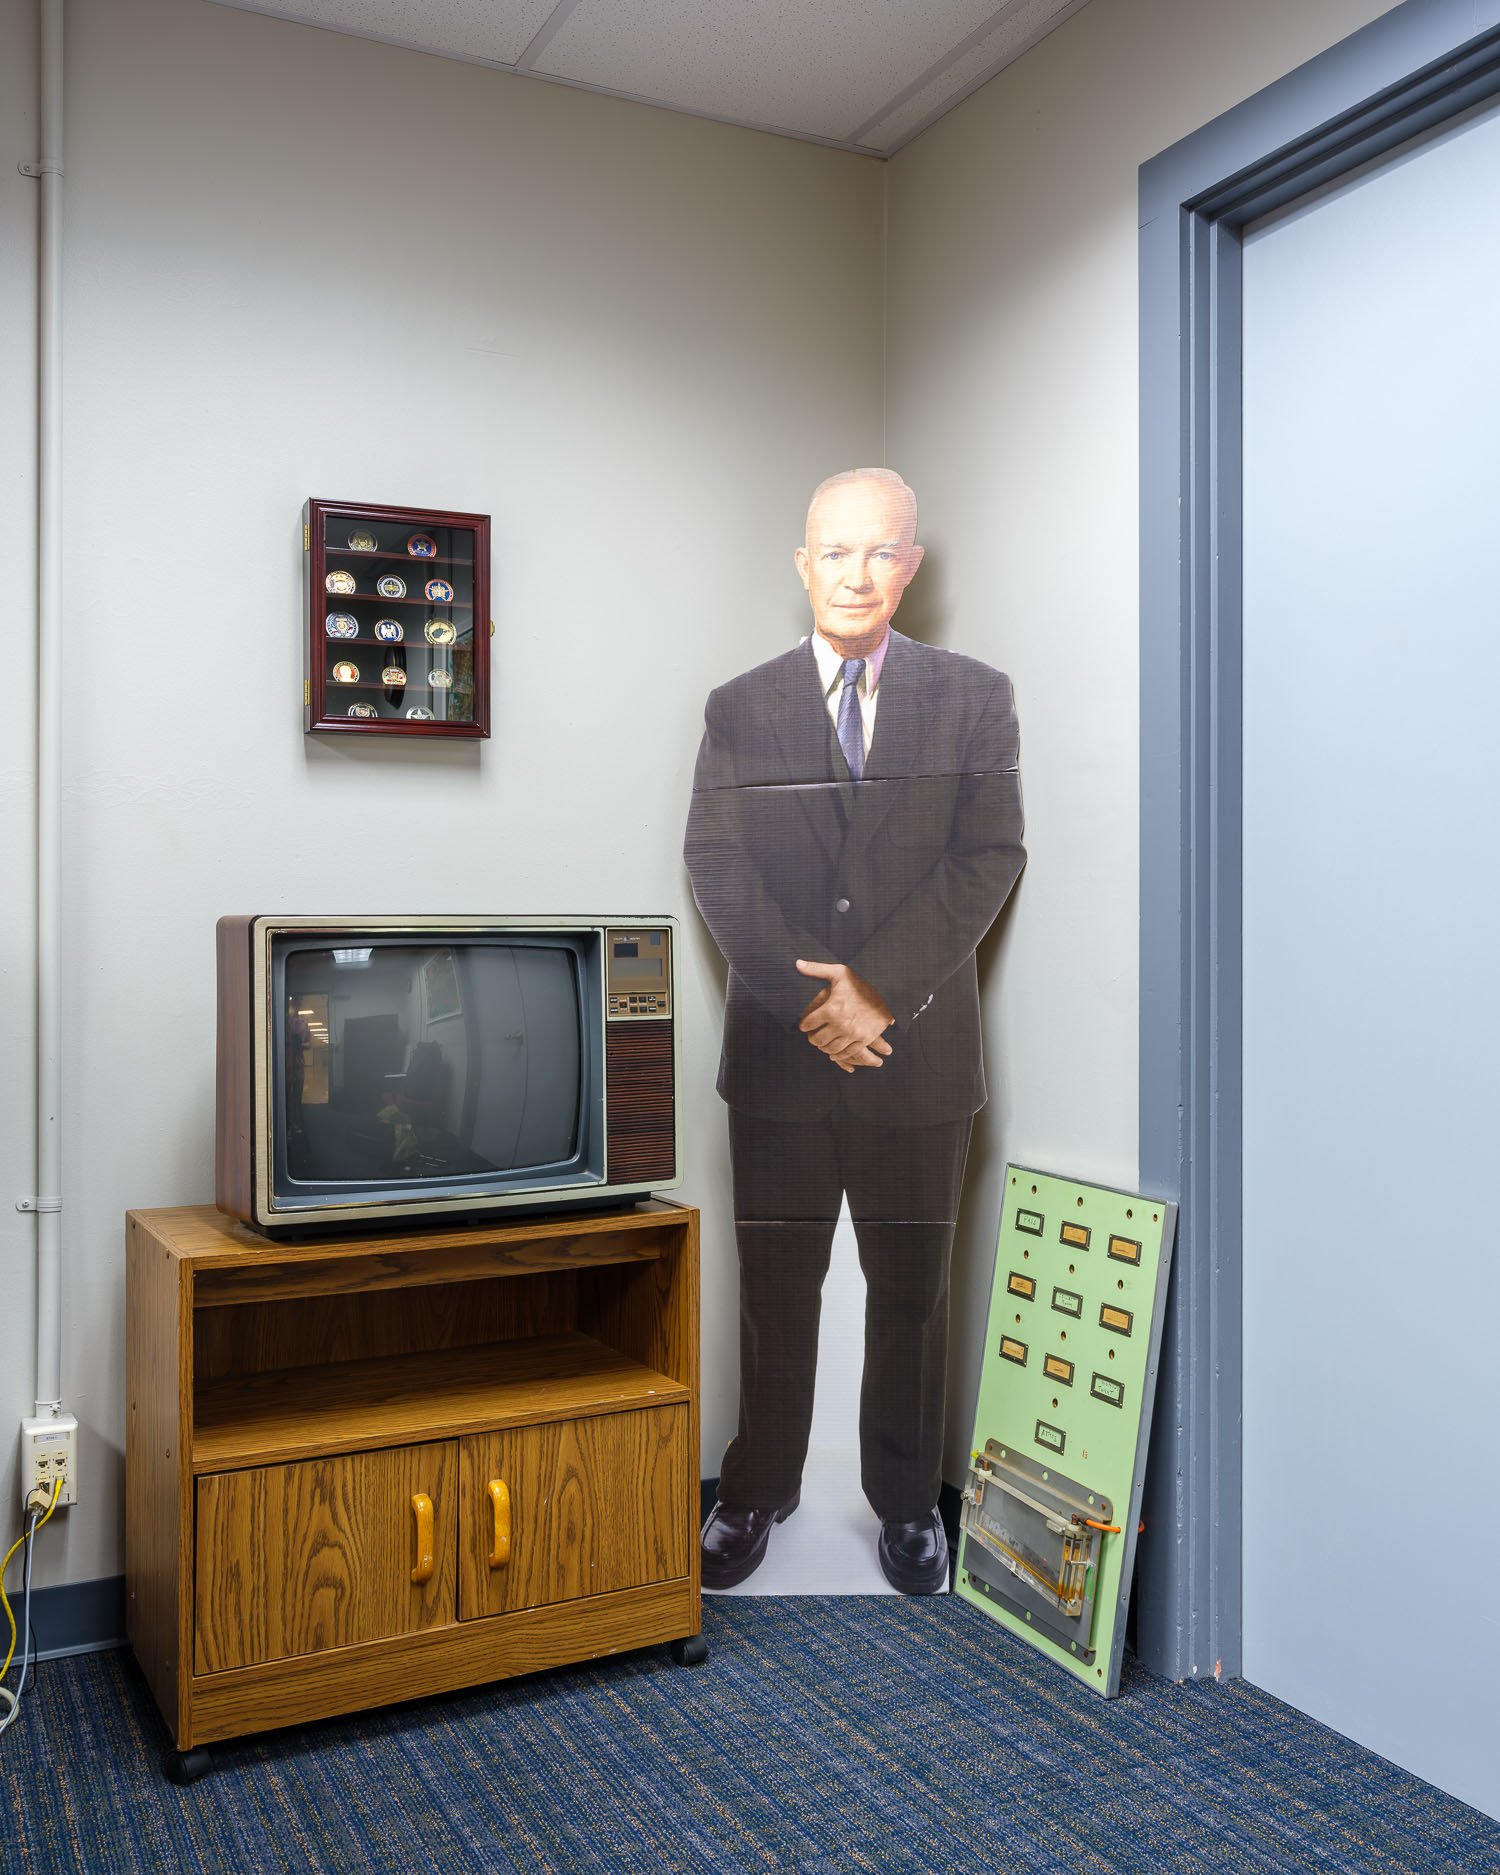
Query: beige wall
[[1011, 399], [303, 264]]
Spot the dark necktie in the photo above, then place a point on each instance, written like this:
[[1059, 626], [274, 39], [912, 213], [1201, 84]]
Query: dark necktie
[[851, 728]]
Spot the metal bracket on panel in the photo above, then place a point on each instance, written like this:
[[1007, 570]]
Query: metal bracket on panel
[[42, 168], [39, 1204], [1033, 1543]]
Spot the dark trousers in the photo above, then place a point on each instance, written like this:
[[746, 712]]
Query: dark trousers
[[903, 1186]]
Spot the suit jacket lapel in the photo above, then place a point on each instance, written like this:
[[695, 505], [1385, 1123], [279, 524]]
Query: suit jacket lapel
[[897, 749], [805, 736]]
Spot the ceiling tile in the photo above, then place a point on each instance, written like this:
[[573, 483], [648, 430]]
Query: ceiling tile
[[495, 32], [864, 74], [820, 70]]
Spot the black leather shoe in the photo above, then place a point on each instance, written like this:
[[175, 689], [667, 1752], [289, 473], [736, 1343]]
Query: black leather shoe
[[734, 1542], [914, 1554]]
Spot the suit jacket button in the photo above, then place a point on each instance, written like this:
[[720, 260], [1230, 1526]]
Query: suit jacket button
[[841, 904]]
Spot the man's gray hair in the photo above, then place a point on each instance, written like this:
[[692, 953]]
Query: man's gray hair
[[887, 478]]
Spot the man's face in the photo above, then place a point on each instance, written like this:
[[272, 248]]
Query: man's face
[[859, 559]]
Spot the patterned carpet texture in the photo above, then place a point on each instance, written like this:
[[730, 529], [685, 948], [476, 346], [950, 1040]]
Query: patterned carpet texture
[[824, 1735]]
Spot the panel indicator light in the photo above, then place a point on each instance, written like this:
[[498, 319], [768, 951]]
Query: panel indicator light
[[1056, 1368], [1117, 1320], [1020, 1285], [1053, 1437], [1112, 1392], [1067, 1303], [1076, 1236], [1013, 1350], [1124, 1250], [1031, 1222]]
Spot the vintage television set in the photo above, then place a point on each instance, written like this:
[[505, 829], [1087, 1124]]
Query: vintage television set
[[385, 1070]]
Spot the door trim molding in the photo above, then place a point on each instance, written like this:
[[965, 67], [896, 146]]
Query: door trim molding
[[1411, 70]]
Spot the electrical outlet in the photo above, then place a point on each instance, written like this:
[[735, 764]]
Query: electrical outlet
[[49, 1451]]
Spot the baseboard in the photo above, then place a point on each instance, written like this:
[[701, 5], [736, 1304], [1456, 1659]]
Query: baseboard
[[77, 1618]]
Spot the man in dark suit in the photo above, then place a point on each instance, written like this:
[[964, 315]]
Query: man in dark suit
[[855, 829]]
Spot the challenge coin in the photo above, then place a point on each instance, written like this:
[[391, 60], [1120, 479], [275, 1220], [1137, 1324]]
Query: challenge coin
[[422, 547], [390, 631], [440, 631], [341, 625], [341, 581], [440, 680], [393, 675], [439, 591], [363, 541], [419, 715], [391, 586], [363, 709], [345, 672]]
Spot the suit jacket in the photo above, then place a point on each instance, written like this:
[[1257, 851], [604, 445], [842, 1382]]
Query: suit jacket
[[898, 875]]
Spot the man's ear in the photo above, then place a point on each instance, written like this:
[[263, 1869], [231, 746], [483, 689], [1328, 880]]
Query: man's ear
[[804, 566]]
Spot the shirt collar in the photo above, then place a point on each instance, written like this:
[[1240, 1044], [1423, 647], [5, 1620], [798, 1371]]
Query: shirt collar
[[830, 662]]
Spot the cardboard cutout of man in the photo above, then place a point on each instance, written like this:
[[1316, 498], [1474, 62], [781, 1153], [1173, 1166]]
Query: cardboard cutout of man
[[855, 829]]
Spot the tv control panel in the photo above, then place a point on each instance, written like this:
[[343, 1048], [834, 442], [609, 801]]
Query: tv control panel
[[638, 974]]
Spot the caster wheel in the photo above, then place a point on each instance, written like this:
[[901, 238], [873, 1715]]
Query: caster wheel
[[691, 1651], [186, 1767]]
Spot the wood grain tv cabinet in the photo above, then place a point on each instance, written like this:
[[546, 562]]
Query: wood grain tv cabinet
[[362, 1469]]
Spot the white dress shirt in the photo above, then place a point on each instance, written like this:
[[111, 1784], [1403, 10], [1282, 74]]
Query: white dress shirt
[[830, 662]]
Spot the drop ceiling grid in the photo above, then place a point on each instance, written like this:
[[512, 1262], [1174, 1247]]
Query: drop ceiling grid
[[822, 69], [862, 75], [1018, 30]]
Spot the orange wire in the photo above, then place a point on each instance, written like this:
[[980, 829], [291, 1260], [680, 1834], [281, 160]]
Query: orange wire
[[1112, 1528]]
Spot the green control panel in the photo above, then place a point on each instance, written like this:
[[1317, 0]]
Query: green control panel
[[1053, 1498]]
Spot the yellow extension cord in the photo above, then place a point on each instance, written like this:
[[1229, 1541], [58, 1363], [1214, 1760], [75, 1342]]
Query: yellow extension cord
[[4, 1598]]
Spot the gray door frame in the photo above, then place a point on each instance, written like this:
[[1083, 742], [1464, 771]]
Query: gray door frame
[[1409, 71]]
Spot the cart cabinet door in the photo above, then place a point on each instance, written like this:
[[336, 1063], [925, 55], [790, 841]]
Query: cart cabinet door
[[294, 1559], [573, 1507]]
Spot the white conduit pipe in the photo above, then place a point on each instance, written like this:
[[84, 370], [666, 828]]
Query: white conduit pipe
[[49, 722]]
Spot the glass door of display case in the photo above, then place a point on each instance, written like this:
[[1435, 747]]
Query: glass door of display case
[[398, 620]]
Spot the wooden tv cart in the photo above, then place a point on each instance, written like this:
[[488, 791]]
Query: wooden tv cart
[[362, 1469]]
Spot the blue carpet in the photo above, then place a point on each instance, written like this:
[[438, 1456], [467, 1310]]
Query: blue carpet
[[823, 1735]]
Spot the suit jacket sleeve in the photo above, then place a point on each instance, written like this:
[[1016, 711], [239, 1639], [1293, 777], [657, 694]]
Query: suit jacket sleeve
[[938, 925], [760, 945]]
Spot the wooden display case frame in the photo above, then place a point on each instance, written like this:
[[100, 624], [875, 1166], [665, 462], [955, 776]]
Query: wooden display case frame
[[290, 1407], [325, 703]]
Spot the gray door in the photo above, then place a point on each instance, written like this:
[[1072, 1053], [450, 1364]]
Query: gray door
[[1372, 958]]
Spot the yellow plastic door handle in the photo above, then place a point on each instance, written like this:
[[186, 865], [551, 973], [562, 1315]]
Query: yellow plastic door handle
[[500, 1498], [421, 1506]]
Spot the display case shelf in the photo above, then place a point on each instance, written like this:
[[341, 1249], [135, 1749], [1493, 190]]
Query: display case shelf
[[461, 551], [380, 598], [335, 552]]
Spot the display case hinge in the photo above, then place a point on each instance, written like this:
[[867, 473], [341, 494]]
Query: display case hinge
[[307, 693], [307, 537]]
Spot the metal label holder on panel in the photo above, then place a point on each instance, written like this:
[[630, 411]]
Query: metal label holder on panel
[[1053, 1499]]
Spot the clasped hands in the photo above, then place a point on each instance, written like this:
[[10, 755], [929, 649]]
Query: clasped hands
[[847, 1019]]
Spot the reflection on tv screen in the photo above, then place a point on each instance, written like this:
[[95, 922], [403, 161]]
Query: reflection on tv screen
[[422, 1061]]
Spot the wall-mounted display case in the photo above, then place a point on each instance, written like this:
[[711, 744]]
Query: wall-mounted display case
[[398, 620]]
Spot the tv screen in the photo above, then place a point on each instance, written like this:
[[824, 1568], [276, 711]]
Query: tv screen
[[414, 1064]]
